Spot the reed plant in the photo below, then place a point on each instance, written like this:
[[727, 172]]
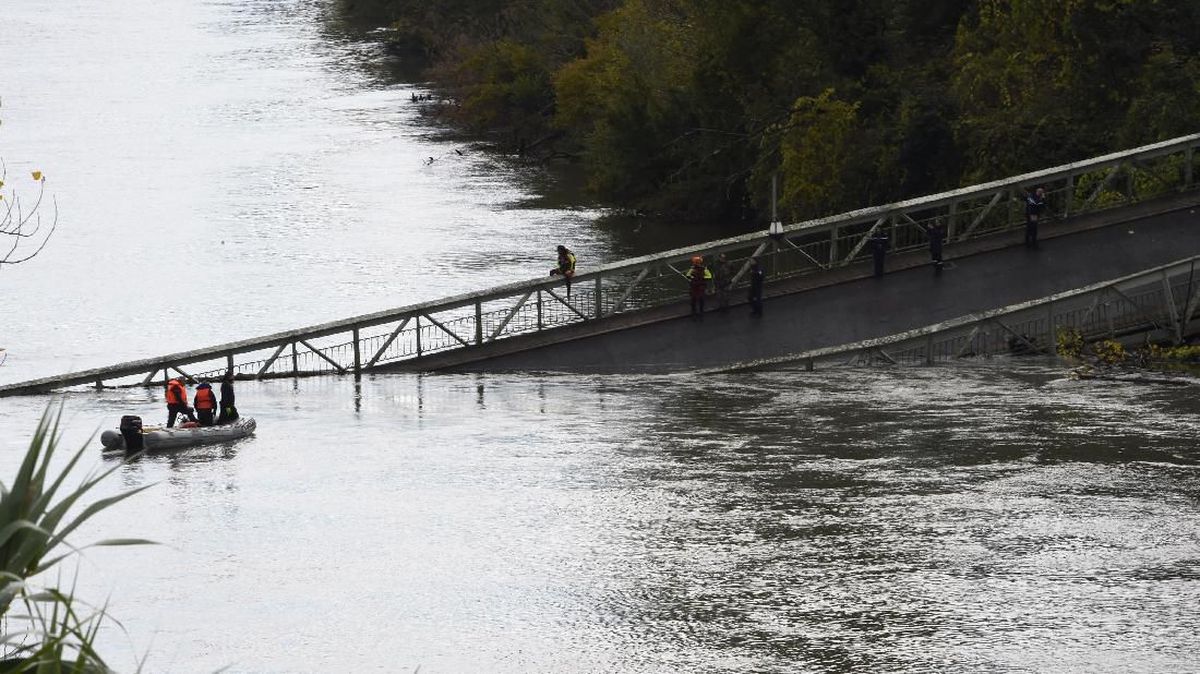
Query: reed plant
[[56, 632]]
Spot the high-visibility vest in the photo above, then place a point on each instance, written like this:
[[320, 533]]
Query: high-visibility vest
[[205, 399], [176, 393]]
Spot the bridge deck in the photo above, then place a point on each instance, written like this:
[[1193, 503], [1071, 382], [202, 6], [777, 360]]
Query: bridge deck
[[868, 308], [501, 327]]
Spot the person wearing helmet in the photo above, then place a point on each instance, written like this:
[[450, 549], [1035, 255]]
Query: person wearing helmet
[[699, 277], [566, 267]]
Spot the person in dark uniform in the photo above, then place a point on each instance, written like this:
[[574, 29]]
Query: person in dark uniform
[[879, 246], [228, 410], [757, 276], [937, 235], [1035, 205], [723, 281]]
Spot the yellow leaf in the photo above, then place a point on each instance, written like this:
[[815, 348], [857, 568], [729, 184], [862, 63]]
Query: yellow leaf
[[37, 175]]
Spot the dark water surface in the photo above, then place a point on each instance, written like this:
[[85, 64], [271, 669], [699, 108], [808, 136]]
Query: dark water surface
[[226, 169], [989, 517]]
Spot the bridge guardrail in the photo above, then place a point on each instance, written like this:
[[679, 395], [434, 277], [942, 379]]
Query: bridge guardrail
[[463, 321]]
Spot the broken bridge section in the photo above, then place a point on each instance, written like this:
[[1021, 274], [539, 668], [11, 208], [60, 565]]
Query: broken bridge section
[[626, 316]]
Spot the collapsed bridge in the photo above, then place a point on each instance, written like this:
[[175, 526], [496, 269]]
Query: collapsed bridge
[[1118, 257]]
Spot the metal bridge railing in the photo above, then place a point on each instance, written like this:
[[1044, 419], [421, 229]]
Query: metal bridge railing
[[1165, 300], [471, 320]]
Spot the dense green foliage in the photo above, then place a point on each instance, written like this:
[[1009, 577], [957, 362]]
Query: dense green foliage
[[692, 105]]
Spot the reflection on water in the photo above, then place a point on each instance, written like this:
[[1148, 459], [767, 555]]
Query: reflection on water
[[986, 517]]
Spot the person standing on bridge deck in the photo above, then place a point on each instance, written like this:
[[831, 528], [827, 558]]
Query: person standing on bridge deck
[[937, 236], [879, 246], [205, 403], [757, 277], [566, 267], [723, 281], [1035, 204], [177, 402], [698, 279], [228, 412]]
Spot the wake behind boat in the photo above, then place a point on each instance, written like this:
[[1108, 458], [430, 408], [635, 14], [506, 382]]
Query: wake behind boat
[[160, 438]]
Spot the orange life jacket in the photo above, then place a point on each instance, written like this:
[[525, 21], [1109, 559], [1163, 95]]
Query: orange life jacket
[[205, 399], [176, 393]]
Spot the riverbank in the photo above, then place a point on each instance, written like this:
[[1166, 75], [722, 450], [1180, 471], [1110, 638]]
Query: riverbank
[[693, 110]]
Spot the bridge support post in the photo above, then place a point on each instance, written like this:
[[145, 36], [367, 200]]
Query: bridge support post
[[357, 353], [539, 310], [418, 334], [833, 246], [295, 361], [229, 362], [1051, 333], [950, 220], [599, 298], [478, 323]]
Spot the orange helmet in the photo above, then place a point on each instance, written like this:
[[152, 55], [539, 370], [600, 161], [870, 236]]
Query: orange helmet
[[697, 260]]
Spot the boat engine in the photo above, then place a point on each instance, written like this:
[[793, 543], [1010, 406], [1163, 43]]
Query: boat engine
[[131, 431]]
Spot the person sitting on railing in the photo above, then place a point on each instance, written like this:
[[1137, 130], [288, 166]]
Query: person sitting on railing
[[177, 402], [1035, 203], [698, 279], [566, 267]]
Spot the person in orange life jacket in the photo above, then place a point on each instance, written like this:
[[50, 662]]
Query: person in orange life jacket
[[177, 402], [566, 267], [205, 403], [698, 279]]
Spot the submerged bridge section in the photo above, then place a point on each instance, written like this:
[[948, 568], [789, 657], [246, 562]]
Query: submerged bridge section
[[1111, 219]]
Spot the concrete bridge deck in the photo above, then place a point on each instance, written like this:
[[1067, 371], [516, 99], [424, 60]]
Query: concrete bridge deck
[[851, 306], [625, 316]]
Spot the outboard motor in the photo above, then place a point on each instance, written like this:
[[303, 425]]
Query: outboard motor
[[131, 431]]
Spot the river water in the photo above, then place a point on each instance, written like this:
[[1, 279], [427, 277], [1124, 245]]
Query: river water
[[989, 517]]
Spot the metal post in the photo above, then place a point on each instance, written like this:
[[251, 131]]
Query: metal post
[[951, 221], [539, 310], [599, 297], [929, 349], [478, 323], [774, 199], [229, 362], [1051, 335], [1070, 195], [357, 355], [418, 332], [295, 360], [1187, 168], [833, 247]]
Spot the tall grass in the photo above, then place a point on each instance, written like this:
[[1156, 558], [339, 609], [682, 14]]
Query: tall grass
[[57, 631]]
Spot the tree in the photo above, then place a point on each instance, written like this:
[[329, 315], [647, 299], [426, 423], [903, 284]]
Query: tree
[[54, 630], [22, 232]]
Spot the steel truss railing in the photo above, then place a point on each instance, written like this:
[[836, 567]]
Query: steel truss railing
[[1163, 302], [476, 319]]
